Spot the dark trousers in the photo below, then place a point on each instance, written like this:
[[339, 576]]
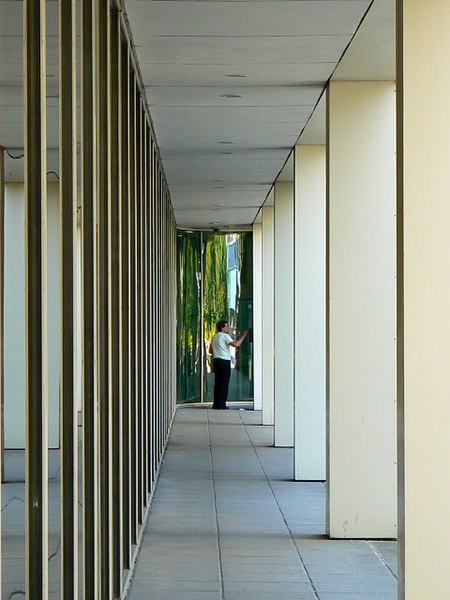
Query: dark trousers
[[222, 373]]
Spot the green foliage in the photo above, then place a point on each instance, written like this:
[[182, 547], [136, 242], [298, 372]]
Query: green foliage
[[215, 282]]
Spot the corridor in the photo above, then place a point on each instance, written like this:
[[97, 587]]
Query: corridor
[[228, 523]]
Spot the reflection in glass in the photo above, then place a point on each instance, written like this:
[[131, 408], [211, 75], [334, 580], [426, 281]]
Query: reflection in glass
[[188, 318], [223, 287]]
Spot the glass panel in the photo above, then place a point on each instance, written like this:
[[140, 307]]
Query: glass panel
[[228, 294], [215, 281], [188, 317]]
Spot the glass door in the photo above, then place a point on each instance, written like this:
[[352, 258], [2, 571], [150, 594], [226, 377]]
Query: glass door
[[222, 289]]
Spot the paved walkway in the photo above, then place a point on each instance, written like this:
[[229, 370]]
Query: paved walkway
[[227, 523]]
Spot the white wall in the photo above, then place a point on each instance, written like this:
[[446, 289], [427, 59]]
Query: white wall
[[257, 316], [14, 415], [284, 314], [267, 314], [362, 326], [309, 327]]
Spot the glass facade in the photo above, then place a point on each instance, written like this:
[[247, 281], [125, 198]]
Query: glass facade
[[215, 281]]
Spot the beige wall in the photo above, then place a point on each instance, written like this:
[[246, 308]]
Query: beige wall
[[361, 253], [424, 152]]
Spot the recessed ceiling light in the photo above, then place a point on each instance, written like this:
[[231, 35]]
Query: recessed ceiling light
[[236, 75], [231, 96]]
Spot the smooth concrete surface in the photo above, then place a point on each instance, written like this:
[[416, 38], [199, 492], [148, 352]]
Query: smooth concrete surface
[[284, 314], [361, 310], [424, 299], [267, 332], [309, 319], [227, 522]]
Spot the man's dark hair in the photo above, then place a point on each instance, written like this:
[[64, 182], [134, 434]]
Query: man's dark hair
[[220, 325]]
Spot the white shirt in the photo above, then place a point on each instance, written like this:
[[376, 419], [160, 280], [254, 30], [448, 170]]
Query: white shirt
[[220, 345]]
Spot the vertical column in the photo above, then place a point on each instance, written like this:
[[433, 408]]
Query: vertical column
[[284, 315], [309, 321], [132, 300], [68, 211], [267, 314], [36, 562], [89, 295], [361, 310], [103, 208], [423, 148], [138, 223], [2, 329], [145, 448], [150, 475], [125, 303], [257, 316], [114, 268]]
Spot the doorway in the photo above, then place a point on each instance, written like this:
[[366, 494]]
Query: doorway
[[215, 281]]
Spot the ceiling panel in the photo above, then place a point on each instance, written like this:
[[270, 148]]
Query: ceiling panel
[[242, 50], [234, 96], [288, 73], [231, 85], [210, 218], [210, 115], [245, 18]]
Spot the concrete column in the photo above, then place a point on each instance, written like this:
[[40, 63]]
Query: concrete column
[[267, 227], [361, 385], [424, 299], [309, 328], [284, 314], [257, 316]]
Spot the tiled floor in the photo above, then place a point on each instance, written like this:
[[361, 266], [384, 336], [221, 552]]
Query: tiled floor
[[228, 523]]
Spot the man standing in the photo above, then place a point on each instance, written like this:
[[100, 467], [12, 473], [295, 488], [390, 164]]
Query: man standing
[[220, 349]]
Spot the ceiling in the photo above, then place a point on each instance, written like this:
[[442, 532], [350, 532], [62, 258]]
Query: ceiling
[[232, 86]]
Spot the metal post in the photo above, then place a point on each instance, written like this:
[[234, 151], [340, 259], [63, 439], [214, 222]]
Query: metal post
[[2, 304], [125, 330], [36, 564], [68, 208], [88, 261], [103, 287], [149, 313], [114, 304], [132, 280], [139, 306]]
